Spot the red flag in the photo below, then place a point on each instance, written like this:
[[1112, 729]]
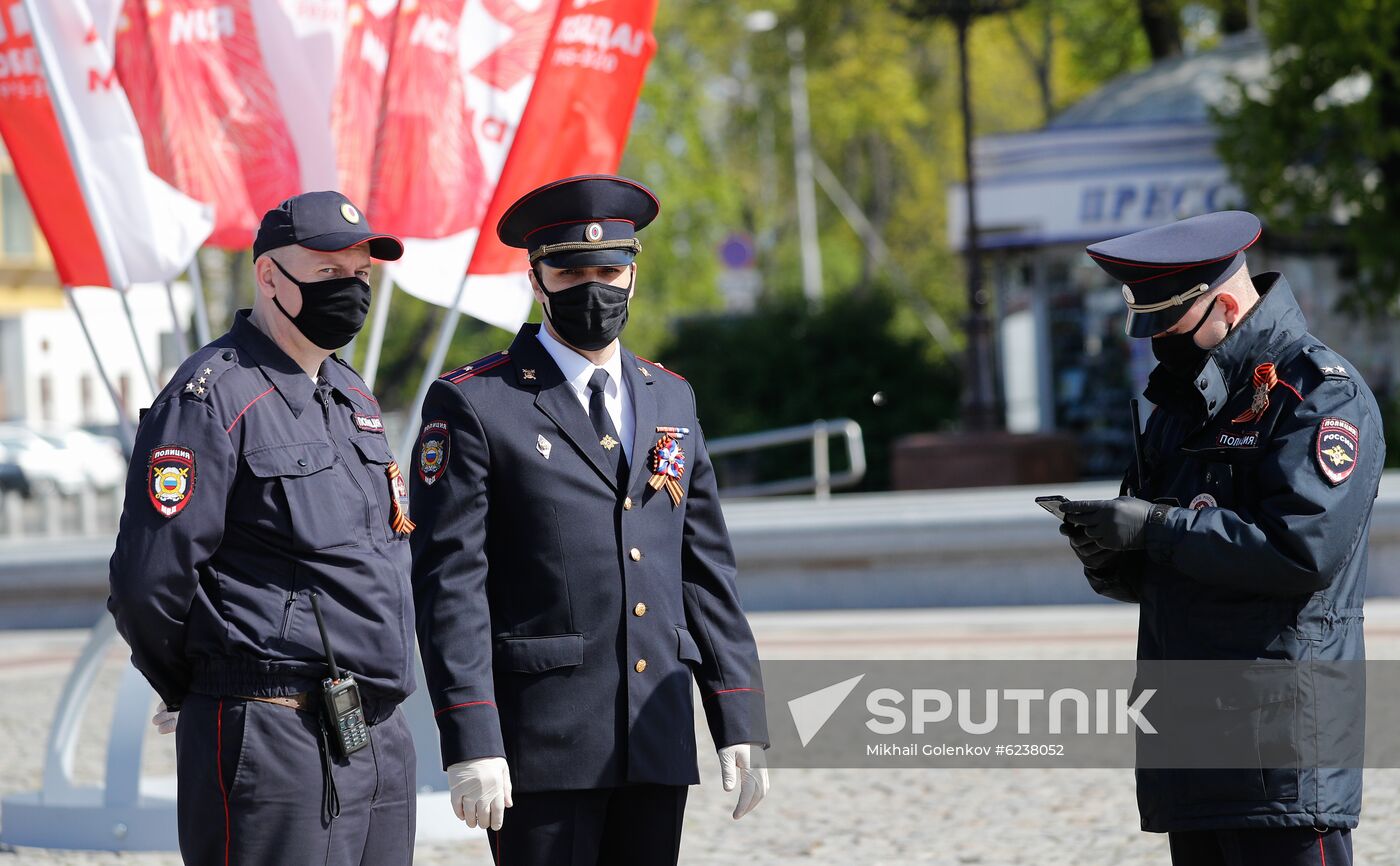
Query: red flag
[[359, 93], [207, 107], [35, 141], [429, 180], [579, 112]]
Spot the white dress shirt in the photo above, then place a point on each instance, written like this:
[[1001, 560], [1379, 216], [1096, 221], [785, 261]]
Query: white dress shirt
[[577, 370]]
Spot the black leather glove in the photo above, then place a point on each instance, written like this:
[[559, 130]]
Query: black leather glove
[[1115, 524], [1086, 548]]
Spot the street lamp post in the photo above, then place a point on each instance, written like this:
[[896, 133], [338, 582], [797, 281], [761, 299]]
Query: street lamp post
[[803, 158], [979, 403]]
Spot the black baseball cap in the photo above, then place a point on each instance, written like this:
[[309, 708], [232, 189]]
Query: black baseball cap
[[326, 221]]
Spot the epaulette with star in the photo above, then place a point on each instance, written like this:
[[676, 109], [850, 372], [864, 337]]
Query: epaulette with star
[[1328, 363], [480, 365], [201, 381], [646, 372]]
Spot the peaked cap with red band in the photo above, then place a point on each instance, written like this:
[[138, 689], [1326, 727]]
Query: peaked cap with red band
[[1165, 269], [585, 221]]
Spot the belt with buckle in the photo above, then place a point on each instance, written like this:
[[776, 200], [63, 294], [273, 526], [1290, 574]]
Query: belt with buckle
[[299, 701]]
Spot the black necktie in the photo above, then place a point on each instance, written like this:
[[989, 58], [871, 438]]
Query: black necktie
[[602, 424]]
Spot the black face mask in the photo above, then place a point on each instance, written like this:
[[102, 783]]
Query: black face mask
[[332, 311], [588, 316], [1179, 352]]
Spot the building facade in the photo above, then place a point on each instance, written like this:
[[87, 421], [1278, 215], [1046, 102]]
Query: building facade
[[1138, 153]]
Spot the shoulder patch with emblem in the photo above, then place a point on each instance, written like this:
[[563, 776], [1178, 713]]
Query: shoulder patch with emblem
[[170, 479], [481, 365], [432, 451], [1338, 449]]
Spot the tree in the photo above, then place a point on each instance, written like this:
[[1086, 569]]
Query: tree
[[712, 136], [1316, 147], [1161, 22]]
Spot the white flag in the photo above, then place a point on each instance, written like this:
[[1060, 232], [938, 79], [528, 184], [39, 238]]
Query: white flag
[[149, 231]]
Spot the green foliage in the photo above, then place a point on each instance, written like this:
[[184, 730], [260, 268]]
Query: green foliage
[[786, 365], [1319, 143]]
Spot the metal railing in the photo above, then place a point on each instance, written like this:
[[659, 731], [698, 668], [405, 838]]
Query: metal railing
[[822, 480], [51, 514]]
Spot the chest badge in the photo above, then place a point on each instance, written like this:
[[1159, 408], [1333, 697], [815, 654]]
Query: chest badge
[[170, 479], [1203, 500], [398, 497], [368, 423], [542, 445], [432, 451], [1265, 378], [667, 467]]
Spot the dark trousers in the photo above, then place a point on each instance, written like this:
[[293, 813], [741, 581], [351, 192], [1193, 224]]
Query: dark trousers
[[635, 825], [1267, 847], [252, 786]]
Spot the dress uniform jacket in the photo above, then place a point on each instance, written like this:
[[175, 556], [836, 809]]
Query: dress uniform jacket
[[562, 616], [251, 487], [1266, 558]]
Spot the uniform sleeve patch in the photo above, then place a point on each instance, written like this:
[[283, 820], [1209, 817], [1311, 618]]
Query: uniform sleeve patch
[[170, 479], [1338, 449], [432, 451]]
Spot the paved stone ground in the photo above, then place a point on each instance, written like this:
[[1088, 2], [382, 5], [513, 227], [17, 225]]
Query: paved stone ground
[[868, 817]]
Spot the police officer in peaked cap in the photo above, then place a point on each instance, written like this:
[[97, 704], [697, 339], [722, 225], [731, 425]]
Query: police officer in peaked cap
[[261, 481], [572, 571], [1244, 539]]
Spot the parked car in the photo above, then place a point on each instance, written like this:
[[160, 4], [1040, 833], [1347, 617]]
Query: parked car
[[12, 477], [46, 466], [100, 458]]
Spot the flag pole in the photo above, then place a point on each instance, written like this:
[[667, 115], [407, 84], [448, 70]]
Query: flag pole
[[370, 368], [430, 372], [136, 338], [123, 422], [101, 224], [180, 334], [201, 309], [97, 216]]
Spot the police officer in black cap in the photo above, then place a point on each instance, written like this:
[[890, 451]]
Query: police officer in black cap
[[1246, 535], [261, 481], [572, 571]]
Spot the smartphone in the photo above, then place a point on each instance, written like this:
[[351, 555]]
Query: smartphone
[[1052, 504]]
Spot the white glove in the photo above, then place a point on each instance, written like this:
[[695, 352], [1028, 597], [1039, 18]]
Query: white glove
[[164, 720], [480, 791], [744, 765]]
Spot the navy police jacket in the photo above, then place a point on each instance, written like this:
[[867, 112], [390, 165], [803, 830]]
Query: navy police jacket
[[251, 487], [1274, 454], [562, 619]]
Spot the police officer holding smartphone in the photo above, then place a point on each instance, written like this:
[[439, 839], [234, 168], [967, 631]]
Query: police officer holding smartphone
[[263, 498], [1243, 536]]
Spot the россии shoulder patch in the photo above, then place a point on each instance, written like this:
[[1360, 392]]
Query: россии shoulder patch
[[1338, 449], [170, 479], [432, 451]]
